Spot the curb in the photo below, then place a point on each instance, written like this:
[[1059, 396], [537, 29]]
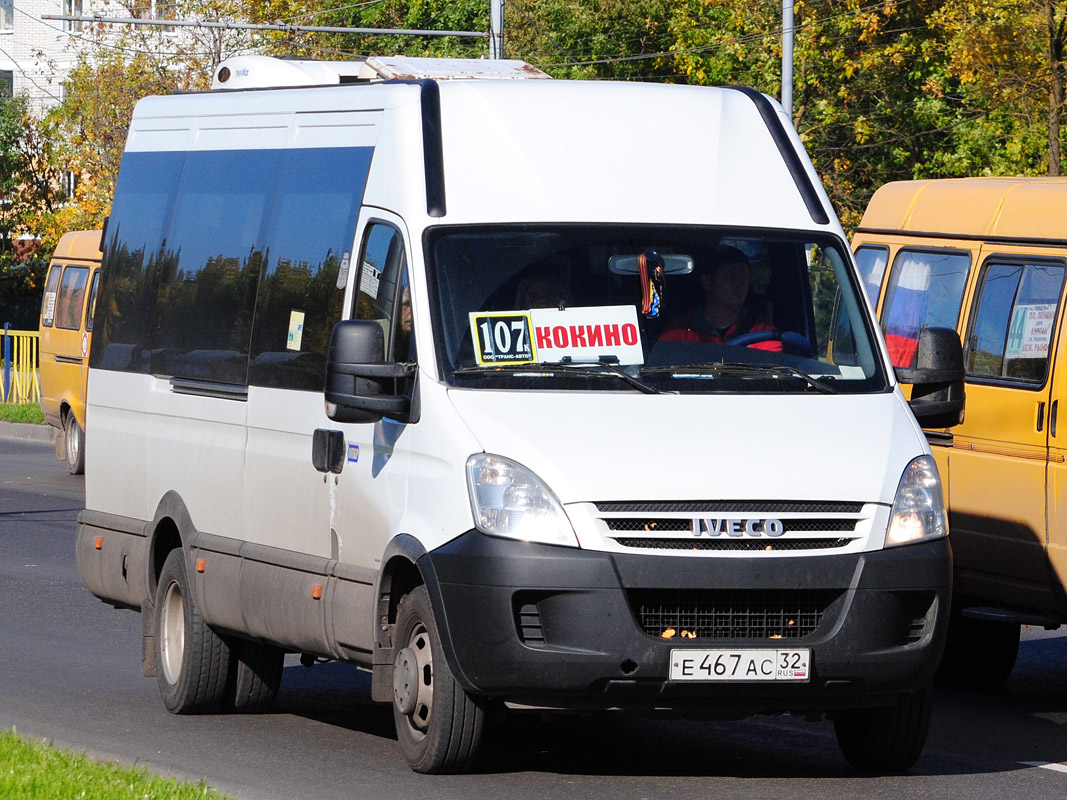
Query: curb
[[27, 432]]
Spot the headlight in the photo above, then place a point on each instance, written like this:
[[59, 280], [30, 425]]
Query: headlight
[[509, 500], [919, 507]]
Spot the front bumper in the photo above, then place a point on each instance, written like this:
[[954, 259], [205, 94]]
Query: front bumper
[[555, 627]]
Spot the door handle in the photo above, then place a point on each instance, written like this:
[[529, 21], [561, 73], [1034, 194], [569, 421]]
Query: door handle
[[1041, 415], [1052, 418], [328, 450]]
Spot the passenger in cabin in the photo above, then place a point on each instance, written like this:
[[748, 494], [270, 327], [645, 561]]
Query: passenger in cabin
[[545, 285], [723, 313]]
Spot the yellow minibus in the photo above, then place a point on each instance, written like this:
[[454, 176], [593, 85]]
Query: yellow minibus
[[986, 257], [66, 329]]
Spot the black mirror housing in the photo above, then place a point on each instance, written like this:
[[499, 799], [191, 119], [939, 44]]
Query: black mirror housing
[[938, 379], [359, 382]]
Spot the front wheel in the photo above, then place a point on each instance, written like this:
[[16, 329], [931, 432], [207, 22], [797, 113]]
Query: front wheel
[[979, 654], [886, 739], [74, 438], [193, 662], [439, 726]]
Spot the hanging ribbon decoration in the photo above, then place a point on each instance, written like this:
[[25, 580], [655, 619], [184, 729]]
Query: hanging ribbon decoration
[[651, 266]]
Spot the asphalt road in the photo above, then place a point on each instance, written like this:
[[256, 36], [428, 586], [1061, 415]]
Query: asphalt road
[[70, 673]]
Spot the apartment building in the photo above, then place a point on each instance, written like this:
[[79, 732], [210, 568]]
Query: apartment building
[[37, 53]]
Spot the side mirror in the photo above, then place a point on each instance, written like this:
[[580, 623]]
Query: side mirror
[[937, 393], [359, 383]]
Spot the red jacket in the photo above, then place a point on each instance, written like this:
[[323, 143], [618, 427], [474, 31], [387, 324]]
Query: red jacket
[[681, 330]]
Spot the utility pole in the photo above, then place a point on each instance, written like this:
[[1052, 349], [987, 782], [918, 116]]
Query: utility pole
[[787, 57], [496, 28]]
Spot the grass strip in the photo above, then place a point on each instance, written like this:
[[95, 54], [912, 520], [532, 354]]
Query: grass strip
[[21, 412], [41, 772]]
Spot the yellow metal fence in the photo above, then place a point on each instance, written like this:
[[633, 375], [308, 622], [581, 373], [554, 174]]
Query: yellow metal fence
[[19, 380]]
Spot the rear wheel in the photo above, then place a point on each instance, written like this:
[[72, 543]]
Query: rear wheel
[[439, 726], [979, 654], [257, 675], [74, 437], [193, 662], [889, 738]]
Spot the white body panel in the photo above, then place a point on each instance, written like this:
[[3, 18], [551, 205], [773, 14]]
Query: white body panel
[[688, 156]]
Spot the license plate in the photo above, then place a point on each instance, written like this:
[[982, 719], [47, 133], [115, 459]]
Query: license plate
[[741, 665]]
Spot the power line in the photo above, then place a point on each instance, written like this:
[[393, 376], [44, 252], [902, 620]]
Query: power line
[[254, 26]]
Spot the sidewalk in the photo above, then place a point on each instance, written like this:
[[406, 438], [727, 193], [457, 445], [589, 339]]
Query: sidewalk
[[27, 432]]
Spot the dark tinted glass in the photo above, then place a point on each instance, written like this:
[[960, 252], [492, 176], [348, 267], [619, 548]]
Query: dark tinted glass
[[306, 265], [213, 258], [144, 196]]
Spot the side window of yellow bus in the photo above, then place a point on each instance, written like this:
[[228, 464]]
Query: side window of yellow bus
[[925, 290], [1011, 332], [51, 294], [872, 260], [90, 311], [72, 297]]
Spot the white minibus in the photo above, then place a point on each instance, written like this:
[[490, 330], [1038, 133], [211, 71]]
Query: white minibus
[[520, 394]]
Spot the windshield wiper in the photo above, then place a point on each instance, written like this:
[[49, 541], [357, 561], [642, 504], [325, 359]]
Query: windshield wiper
[[606, 369], [734, 370]]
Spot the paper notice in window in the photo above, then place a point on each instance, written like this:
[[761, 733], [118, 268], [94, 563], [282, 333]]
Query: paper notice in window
[[296, 330], [1030, 331]]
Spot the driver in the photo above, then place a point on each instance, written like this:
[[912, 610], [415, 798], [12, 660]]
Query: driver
[[722, 315]]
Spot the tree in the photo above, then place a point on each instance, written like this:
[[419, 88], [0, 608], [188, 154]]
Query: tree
[[1007, 59], [28, 182]]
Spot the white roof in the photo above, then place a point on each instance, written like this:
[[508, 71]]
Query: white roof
[[259, 72]]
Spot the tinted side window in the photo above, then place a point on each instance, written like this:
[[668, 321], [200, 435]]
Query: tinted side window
[[71, 297], [144, 195], [871, 261], [1014, 319], [925, 290], [211, 265], [305, 269], [51, 294]]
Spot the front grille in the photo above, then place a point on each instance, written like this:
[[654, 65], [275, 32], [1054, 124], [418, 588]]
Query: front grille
[[667, 524], [730, 507], [730, 614], [735, 545]]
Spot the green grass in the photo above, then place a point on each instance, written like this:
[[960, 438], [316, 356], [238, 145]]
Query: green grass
[[40, 772], [24, 412]]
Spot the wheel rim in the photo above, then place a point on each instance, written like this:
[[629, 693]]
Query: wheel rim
[[73, 443], [413, 681], [172, 632]]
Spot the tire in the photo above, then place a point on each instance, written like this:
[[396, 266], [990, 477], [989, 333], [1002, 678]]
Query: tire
[[257, 675], [74, 438], [192, 661], [887, 739], [439, 726], [979, 654]]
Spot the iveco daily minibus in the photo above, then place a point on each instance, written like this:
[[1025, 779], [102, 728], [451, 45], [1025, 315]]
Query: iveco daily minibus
[[421, 368]]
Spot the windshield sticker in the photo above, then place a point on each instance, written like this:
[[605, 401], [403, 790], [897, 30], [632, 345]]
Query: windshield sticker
[[502, 337], [547, 335]]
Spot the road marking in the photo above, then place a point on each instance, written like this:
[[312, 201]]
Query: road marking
[[1057, 717], [1045, 765]]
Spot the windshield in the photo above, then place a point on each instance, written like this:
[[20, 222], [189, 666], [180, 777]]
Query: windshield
[[647, 308]]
